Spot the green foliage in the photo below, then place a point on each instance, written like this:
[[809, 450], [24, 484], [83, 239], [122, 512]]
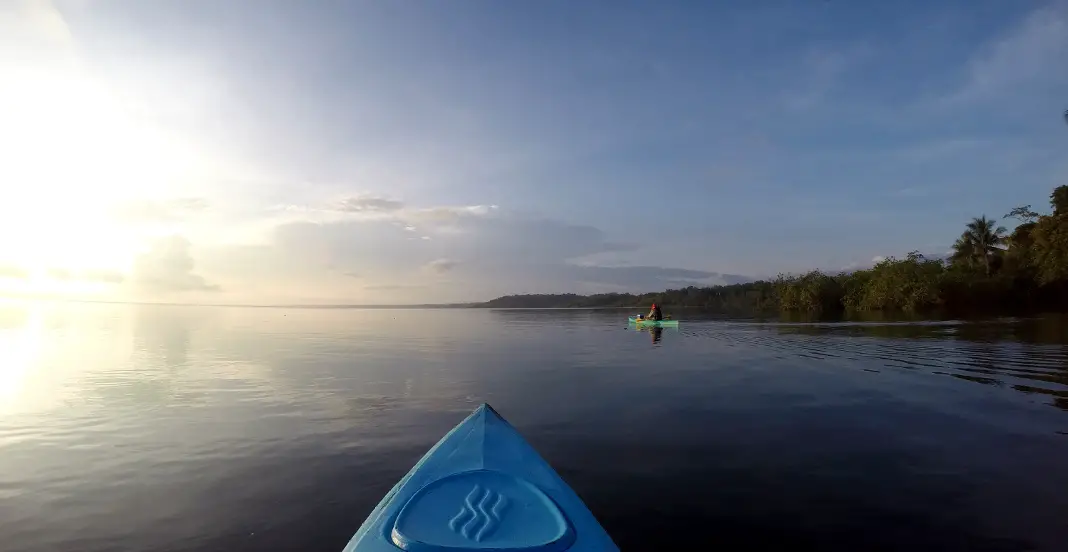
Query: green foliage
[[908, 284], [814, 291], [1059, 200], [1019, 257], [980, 244], [1023, 213], [1050, 248]]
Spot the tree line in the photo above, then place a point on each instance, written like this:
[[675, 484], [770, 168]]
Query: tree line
[[736, 297], [989, 269]]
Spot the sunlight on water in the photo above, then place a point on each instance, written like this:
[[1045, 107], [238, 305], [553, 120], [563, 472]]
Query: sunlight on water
[[137, 427], [20, 347]]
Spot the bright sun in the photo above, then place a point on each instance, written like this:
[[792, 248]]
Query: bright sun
[[73, 150], [78, 141]]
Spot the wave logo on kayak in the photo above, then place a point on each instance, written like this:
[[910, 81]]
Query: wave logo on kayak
[[480, 514]]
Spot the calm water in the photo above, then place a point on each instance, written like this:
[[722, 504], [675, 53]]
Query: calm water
[[228, 429]]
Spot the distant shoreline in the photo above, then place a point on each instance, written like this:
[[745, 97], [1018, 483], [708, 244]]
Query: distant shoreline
[[477, 305]]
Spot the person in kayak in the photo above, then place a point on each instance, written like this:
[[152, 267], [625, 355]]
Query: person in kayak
[[654, 313]]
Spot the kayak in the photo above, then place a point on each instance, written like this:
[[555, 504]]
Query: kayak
[[658, 323], [482, 487]]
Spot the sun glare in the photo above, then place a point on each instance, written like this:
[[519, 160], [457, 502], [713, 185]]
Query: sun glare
[[73, 150], [19, 350]]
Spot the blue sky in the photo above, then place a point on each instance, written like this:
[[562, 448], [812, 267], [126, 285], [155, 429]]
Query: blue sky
[[411, 152]]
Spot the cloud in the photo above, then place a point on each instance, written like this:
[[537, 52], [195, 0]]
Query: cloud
[[448, 214], [731, 279], [13, 272], [362, 203], [651, 278], [1031, 52], [368, 207], [155, 211], [103, 276], [440, 266], [392, 287], [59, 274], [470, 236], [168, 267], [529, 241], [490, 252], [822, 70]]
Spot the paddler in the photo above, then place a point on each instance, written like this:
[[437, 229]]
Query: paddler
[[654, 313]]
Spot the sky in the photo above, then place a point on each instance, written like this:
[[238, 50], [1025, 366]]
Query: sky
[[278, 152]]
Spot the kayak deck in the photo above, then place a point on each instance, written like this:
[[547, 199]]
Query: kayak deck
[[661, 323], [482, 487]]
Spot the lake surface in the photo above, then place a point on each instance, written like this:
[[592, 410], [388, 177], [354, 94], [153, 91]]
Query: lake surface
[[127, 427]]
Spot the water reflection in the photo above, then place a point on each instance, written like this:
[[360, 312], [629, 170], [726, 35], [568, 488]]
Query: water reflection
[[655, 333], [20, 346], [196, 428], [163, 333], [1027, 355], [1050, 329]]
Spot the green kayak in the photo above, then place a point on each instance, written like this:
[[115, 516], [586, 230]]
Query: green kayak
[[656, 323]]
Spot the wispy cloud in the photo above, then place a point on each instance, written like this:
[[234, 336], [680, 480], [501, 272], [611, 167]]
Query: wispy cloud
[[1035, 51], [393, 287], [650, 278], [448, 214], [441, 266], [821, 70], [380, 208], [368, 203]]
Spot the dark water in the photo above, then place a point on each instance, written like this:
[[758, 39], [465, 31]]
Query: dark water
[[227, 429]]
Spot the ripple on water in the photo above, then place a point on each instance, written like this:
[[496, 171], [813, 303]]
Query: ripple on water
[[961, 350]]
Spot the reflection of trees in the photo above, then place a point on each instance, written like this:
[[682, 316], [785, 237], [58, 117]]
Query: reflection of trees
[[1043, 330], [989, 352], [162, 333], [161, 338]]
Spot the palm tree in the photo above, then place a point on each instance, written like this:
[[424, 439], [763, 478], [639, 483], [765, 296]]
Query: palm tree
[[980, 241], [964, 252]]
